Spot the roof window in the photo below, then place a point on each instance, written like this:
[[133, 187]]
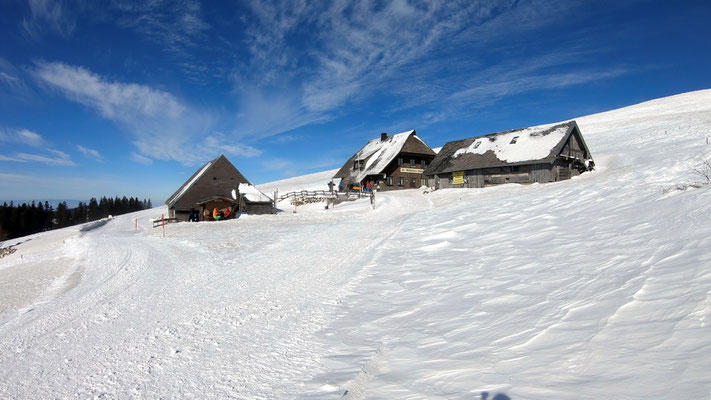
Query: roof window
[[478, 142], [513, 141]]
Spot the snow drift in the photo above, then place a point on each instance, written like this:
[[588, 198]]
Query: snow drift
[[596, 287]]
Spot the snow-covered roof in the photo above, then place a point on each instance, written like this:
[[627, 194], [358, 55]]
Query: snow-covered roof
[[520, 146], [252, 194], [377, 154]]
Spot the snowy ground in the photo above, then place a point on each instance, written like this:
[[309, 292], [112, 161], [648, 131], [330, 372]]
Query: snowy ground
[[597, 287]]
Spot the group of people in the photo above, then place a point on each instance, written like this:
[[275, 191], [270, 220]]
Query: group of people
[[367, 186], [218, 214], [214, 215]]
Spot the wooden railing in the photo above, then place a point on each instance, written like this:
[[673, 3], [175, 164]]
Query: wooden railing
[[159, 222], [323, 193]]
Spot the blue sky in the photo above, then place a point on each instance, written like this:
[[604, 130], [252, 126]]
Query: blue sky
[[130, 98]]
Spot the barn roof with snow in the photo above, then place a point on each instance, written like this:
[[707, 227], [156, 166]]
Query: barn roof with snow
[[377, 154], [535, 145], [252, 194], [216, 178]]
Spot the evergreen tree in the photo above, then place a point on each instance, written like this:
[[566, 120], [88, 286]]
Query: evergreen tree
[[63, 216], [93, 211]]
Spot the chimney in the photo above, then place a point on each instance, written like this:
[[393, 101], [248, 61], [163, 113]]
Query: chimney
[[383, 136]]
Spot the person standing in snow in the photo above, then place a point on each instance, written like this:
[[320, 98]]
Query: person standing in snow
[[340, 186], [330, 186]]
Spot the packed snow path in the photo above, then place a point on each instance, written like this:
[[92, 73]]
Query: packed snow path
[[228, 309], [597, 287]]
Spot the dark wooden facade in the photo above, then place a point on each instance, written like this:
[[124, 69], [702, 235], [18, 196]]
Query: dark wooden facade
[[256, 207], [216, 179], [567, 157], [389, 163]]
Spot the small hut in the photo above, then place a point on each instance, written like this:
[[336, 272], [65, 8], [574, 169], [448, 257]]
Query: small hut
[[253, 201], [391, 162], [214, 182], [546, 153]]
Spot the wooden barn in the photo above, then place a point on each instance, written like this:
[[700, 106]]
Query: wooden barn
[[390, 162], [253, 201], [546, 153], [211, 185]]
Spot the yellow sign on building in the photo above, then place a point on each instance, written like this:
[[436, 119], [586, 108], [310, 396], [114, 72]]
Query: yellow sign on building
[[458, 178]]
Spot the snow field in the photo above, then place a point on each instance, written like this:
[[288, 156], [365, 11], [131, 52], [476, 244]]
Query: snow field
[[596, 287]]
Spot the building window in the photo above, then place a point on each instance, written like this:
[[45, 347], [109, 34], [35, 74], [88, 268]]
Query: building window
[[401, 181], [506, 170], [412, 163], [424, 164], [390, 181], [399, 161], [513, 141], [413, 182], [477, 144], [423, 182], [517, 168]]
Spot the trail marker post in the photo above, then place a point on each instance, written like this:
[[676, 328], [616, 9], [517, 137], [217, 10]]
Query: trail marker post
[[162, 218]]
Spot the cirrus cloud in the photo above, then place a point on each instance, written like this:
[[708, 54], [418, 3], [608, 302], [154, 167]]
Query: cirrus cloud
[[163, 127]]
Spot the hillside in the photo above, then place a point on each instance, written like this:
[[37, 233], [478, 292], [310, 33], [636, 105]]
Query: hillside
[[596, 287]]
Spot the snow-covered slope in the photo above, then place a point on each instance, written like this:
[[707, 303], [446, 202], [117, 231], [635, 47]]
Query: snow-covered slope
[[596, 287]]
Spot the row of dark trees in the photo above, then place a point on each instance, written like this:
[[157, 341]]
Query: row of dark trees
[[26, 219]]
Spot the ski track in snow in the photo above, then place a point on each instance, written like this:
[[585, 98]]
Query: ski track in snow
[[596, 287]]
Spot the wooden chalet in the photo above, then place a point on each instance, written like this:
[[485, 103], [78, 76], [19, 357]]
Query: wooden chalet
[[390, 162], [210, 186], [546, 153]]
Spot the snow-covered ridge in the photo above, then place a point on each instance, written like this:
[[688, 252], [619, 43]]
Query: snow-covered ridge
[[590, 288]]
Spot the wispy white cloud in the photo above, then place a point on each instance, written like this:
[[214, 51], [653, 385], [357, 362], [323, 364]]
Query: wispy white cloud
[[22, 136], [406, 50], [509, 84], [48, 15], [163, 127], [141, 159], [173, 24], [114, 100], [55, 158], [91, 153], [12, 79]]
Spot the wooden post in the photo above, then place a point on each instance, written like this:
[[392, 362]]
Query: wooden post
[[162, 218], [136, 224]]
